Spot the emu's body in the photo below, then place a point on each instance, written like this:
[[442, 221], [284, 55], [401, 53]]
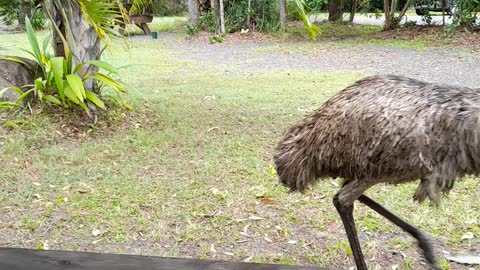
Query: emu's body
[[385, 129]]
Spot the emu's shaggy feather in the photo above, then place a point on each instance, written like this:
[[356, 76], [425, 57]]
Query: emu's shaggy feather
[[387, 129]]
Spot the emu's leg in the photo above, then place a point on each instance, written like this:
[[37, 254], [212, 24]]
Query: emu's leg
[[343, 201], [423, 240]]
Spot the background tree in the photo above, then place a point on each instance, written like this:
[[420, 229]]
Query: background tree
[[335, 10], [12, 10], [82, 25], [282, 7], [389, 8], [193, 12]]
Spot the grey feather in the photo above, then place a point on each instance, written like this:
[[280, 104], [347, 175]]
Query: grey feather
[[388, 129]]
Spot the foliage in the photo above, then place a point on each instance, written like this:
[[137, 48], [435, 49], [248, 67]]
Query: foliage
[[376, 6], [409, 24], [316, 5], [60, 83], [9, 9], [39, 21], [466, 14], [169, 7], [217, 39], [299, 8], [263, 14], [427, 17]]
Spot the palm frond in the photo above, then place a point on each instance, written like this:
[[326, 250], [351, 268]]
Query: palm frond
[[139, 5], [100, 14], [312, 29]]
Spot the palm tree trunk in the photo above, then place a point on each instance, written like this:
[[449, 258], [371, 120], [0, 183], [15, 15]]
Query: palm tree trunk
[[83, 41]]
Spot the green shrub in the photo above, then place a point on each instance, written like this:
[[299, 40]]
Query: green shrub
[[263, 14], [39, 21], [60, 83]]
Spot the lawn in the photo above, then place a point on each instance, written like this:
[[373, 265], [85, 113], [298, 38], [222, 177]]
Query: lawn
[[188, 173]]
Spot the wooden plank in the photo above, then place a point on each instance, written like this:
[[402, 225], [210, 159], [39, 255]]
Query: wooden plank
[[28, 259]]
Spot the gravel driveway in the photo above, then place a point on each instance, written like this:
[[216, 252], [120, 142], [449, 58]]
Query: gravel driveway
[[440, 65]]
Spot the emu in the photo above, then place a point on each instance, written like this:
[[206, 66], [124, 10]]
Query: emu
[[385, 129]]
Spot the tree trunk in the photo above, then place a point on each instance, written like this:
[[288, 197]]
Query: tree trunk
[[83, 41], [222, 17], [335, 10], [283, 13], [193, 12], [24, 10], [249, 20], [392, 22], [353, 9]]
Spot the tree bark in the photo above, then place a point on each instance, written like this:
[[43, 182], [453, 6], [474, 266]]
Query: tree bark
[[193, 12], [83, 41], [392, 22], [58, 47], [353, 9], [249, 20], [283, 13], [335, 10], [24, 10], [222, 17]]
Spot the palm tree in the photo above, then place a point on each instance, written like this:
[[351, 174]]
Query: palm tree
[[84, 27]]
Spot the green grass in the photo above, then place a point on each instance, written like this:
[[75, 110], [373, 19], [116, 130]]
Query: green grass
[[184, 173]]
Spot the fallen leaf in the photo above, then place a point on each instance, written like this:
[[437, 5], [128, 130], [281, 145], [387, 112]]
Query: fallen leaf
[[335, 184], [60, 201], [241, 219], [267, 239], [266, 201], [394, 267], [272, 170], [242, 241], [248, 259], [245, 229], [37, 196], [244, 234], [96, 232], [319, 197], [45, 245], [466, 236], [464, 258], [66, 187]]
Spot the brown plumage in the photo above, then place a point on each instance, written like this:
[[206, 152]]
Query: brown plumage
[[385, 129]]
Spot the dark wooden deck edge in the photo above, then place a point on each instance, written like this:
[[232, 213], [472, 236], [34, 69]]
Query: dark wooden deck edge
[[29, 259]]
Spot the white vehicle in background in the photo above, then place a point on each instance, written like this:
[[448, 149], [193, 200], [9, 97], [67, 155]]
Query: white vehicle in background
[[437, 6]]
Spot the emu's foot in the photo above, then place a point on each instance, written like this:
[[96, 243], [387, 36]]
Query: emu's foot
[[425, 243]]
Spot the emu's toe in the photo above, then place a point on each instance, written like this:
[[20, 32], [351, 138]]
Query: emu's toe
[[426, 245]]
